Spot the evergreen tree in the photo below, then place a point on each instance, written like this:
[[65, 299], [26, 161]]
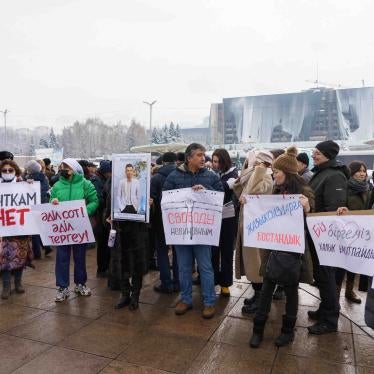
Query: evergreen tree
[[172, 132], [52, 140], [178, 133]]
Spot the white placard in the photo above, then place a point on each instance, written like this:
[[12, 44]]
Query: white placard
[[66, 223], [344, 241], [16, 200], [274, 222], [191, 217]]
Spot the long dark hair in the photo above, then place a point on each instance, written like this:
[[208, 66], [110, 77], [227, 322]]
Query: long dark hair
[[224, 159], [293, 184]]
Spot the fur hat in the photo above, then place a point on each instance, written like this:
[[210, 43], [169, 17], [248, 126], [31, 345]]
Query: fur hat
[[33, 166], [328, 148], [287, 162], [264, 156]]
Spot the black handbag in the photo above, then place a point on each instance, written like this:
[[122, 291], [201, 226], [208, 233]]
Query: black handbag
[[284, 268]]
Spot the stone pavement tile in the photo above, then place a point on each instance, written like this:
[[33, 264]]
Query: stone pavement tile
[[364, 350], [84, 306], [37, 297], [334, 347], [190, 324], [49, 327], [307, 299], [168, 352], [12, 315], [100, 338], [15, 352], [39, 278], [290, 364], [237, 331], [137, 319], [223, 358], [364, 370], [121, 367], [362, 330], [356, 312], [60, 360], [149, 296]]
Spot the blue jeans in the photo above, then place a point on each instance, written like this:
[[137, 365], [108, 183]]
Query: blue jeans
[[162, 251], [63, 263], [203, 255]]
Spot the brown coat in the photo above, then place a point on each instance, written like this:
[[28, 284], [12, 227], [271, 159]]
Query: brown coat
[[248, 260]]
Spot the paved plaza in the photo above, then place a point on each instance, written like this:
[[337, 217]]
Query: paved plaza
[[87, 335]]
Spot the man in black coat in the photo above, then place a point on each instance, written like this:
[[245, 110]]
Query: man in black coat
[[167, 285], [329, 184]]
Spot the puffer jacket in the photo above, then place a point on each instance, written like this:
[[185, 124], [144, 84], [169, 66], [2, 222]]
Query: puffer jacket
[[181, 177], [78, 188], [329, 184]]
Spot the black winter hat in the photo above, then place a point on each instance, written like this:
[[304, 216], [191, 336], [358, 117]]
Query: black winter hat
[[328, 148], [303, 157], [5, 155], [169, 157]]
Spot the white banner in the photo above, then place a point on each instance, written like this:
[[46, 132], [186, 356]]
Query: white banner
[[64, 224], [16, 200], [192, 217], [344, 241], [274, 222]]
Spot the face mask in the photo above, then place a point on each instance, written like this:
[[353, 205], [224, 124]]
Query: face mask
[[8, 176], [65, 173]]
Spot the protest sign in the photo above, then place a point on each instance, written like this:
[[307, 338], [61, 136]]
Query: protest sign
[[64, 224], [192, 217], [131, 174], [16, 200], [274, 222], [344, 241]]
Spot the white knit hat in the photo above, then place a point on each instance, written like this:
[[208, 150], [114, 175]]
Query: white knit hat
[[73, 164]]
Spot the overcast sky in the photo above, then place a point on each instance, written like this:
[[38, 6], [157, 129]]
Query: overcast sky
[[63, 60]]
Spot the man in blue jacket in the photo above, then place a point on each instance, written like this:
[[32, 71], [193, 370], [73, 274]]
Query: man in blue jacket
[[195, 175]]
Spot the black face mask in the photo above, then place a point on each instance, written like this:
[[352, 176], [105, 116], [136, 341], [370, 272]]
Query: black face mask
[[65, 173]]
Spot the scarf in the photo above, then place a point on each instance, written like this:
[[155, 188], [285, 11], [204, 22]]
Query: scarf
[[358, 187]]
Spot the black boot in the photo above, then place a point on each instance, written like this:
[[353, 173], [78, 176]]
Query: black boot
[[258, 332], [18, 285], [279, 293], [124, 299], [251, 306], [287, 332], [137, 282], [6, 290]]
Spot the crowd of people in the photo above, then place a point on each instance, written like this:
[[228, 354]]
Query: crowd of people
[[328, 186]]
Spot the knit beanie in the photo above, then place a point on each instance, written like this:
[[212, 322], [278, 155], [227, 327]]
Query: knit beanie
[[287, 162], [105, 166], [303, 157], [71, 162], [328, 148], [264, 156], [33, 166]]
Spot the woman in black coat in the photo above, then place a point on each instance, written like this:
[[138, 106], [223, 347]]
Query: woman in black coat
[[222, 256]]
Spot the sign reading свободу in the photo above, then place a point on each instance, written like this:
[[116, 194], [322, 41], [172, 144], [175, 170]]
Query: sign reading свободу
[[64, 224], [192, 217], [274, 222], [344, 241], [16, 200]]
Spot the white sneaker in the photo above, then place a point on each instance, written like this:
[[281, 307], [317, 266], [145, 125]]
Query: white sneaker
[[62, 294], [82, 289]]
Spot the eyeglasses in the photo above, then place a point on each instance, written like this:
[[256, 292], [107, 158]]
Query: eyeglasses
[[7, 170]]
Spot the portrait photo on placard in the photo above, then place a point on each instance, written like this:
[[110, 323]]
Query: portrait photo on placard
[[130, 186]]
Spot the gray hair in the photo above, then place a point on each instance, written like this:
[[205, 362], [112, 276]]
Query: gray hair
[[192, 148]]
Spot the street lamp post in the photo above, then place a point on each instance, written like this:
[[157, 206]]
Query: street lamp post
[[5, 112], [150, 118]]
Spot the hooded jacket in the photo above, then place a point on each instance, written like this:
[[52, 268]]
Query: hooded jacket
[[329, 184], [181, 177], [78, 188]]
